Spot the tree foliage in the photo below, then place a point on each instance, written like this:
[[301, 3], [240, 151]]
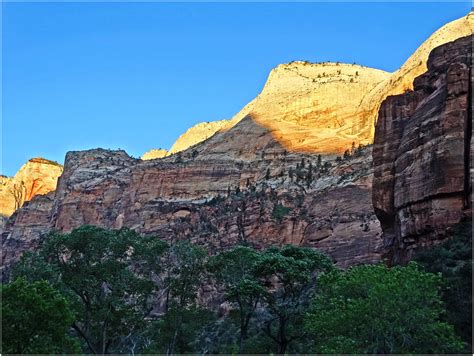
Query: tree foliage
[[118, 292], [289, 275], [376, 309], [36, 318], [453, 260], [107, 277], [185, 267], [233, 270]]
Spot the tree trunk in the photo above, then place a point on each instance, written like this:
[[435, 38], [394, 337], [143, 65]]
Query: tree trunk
[[282, 340]]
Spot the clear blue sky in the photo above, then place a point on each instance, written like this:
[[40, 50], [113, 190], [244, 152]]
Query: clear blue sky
[[136, 76]]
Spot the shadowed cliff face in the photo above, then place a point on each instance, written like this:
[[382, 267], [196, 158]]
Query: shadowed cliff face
[[213, 196], [422, 149]]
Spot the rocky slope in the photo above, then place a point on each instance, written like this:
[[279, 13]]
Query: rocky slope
[[307, 107], [422, 154], [37, 176], [402, 79]]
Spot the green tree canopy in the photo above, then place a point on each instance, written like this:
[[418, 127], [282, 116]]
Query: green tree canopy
[[184, 270], [36, 319], [233, 270], [453, 260], [107, 276], [289, 275], [376, 309]]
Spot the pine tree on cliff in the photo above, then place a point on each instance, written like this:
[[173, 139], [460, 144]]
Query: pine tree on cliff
[[309, 176], [346, 154]]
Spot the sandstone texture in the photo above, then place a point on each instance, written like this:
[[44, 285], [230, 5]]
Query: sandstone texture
[[37, 176], [324, 107], [422, 154], [402, 79], [154, 154], [307, 107], [196, 134], [26, 228]]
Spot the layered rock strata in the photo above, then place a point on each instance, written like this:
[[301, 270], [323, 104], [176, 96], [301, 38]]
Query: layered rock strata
[[422, 154], [214, 203], [154, 154]]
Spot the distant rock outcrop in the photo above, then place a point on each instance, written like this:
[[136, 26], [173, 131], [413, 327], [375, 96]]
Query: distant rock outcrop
[[197, 134], [215, 203], [422, 154], [37, 176], [154, 154]]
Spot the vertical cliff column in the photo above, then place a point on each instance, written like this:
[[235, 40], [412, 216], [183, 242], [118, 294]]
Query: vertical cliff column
[[468, 144], [422, 152]]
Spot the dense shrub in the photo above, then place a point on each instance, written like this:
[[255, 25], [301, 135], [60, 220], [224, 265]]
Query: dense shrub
[[453, 260], [279, 212]]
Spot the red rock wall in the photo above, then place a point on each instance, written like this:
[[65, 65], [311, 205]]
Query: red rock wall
[[172, 200], [422, 154]]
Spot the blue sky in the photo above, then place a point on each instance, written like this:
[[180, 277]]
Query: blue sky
[[135, 76]]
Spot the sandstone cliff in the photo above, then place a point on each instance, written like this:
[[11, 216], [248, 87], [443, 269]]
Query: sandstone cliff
[[213, 202], [37, 176], [422, 154], [308, 108], [324, 107], [402, 79]]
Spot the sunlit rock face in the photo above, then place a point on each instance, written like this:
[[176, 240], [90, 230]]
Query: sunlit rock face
[[324, 107], [197, 134], [154, 154], [422, 154], [402, 79], [307, 107], [37, 176]]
